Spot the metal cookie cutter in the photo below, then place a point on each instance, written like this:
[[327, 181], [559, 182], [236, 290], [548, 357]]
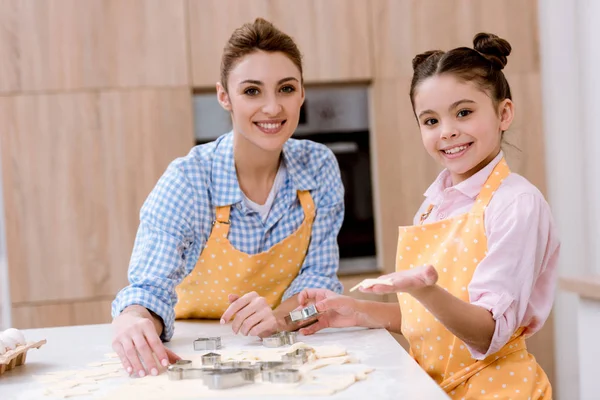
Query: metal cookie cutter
[[210, 343], [297, 357], [303, 317], [227, 378], [182, 364], [280, 339], [284, 375], [232, 364], [176, 373], [211, 359]]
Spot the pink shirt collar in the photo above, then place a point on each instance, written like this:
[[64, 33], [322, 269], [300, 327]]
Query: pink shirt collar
[[469, 187]]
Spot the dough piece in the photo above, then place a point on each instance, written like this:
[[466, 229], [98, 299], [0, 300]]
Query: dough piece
[[367, 283]]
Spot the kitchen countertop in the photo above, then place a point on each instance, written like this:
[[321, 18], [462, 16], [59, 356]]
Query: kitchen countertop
[[396, 374]]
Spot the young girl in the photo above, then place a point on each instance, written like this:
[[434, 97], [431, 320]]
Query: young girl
[[476, 272], [234, 230]]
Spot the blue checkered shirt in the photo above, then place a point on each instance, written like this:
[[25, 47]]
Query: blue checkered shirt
[[176, 221]]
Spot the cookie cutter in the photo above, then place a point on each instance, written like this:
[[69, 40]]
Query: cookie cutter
[[176, 373], [211, 359], [232, 364], [282, 375], [296, 357], [185, 364], [208, 343], [218, 379], [280, 339], [303, 317]]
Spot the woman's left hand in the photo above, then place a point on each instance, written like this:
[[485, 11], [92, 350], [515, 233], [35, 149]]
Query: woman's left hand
[[253, 316], [408, 281]]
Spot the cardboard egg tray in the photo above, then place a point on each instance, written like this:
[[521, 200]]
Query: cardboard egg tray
[[16, 357]]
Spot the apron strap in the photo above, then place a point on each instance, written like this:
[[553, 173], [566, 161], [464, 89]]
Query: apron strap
[[500, 172], [222, 219], [308, 205]]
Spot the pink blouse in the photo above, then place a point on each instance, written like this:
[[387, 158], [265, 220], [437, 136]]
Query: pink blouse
[[517, 278]]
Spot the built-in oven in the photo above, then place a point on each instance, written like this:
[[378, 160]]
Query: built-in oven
[[338, 118]]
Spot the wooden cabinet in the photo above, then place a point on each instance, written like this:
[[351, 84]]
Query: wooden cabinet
[[72, 44], [76, 169], [333, 36], [83, 312], [404, 28]]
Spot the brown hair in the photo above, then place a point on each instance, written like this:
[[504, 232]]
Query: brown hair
[[251, 37], [483, 65]]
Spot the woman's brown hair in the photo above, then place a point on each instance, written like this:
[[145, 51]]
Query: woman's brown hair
[[251, 37], [482, 65]]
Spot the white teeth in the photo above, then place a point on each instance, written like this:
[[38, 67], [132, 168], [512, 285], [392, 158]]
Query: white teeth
[[455, 149], [269, 126]]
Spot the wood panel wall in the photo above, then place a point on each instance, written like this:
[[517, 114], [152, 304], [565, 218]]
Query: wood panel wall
[[95, 101]]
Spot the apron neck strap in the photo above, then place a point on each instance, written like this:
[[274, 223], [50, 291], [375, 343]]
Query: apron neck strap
[[500, 172]]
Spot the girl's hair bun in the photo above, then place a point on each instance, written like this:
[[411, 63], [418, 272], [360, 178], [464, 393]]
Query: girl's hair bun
[[492, 47]]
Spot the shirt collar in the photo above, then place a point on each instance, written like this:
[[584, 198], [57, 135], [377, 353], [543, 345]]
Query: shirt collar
[[469, 187], [224, 183]]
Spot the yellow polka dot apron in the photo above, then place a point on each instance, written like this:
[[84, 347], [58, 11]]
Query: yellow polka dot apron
[[222, 269], [454, 247]]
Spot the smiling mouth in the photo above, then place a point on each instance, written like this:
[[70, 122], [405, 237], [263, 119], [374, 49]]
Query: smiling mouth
[[456, 149], [270, 127]]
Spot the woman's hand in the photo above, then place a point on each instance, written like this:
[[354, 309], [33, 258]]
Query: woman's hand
[[337, 311], [253, 315], [409, 281], [136, 341]]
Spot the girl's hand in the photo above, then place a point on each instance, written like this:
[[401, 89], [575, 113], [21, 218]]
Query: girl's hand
[[408, 281], [253, 316], [336, 311]]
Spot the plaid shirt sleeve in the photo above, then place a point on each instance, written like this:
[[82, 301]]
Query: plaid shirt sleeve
[[322, 260], [162, 247]]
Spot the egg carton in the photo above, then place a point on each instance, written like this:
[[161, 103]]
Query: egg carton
[[16, 357]]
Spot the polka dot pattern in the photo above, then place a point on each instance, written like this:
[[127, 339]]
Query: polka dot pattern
[[226, 270], [454, 247]]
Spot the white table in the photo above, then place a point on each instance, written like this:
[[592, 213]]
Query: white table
[[396, 375]]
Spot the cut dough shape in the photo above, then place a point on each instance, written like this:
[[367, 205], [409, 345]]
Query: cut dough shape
[[101, 363], [367, 283]]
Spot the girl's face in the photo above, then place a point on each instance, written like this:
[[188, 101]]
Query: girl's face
[[264, 97], [460, 126]]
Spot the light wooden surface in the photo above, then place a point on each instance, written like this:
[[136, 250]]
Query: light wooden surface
[[587, 287], [77, 168], [77, 312], [333, 36], [404, 28], [72, 44]]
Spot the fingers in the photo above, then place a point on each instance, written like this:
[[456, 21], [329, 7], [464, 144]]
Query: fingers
[[257, 306], [132, 356], [251, 321], [322, 323], [157, 347], [308, 296], [232, 297], [265, 328], [172, 357], [332, 303], [145, 352], [237, 305], [118, 348]]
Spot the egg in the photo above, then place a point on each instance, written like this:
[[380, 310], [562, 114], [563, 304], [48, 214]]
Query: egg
[[2, 348], [12, 338]]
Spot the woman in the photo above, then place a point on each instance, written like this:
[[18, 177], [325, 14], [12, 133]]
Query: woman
[[239, 226]]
